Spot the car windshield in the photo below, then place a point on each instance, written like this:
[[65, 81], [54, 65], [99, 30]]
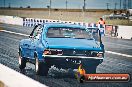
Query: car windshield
[[64, 32]]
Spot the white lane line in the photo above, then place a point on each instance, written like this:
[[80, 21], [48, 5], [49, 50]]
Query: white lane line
[[111, 52], [14, 33], [120, 54], [121, 45]]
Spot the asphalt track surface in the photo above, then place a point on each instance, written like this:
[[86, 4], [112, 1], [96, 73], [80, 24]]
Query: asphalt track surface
[[113, 63]]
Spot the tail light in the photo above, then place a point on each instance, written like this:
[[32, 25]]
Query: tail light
[[100, 55], [53, 52], [47, 52], [97, 54]]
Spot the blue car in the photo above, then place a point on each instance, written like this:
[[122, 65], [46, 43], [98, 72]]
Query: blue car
[[63, 45]]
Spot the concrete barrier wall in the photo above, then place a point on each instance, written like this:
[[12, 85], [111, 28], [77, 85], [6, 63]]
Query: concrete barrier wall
[[11, 78], [11, 20], [124, 32]]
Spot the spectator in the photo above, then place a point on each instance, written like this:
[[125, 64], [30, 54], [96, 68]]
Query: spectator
[[101, 21]]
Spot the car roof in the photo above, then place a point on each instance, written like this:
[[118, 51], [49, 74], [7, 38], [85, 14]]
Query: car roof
[[63, 25]]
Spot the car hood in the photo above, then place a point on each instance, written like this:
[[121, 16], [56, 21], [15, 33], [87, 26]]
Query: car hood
[[71, 43]]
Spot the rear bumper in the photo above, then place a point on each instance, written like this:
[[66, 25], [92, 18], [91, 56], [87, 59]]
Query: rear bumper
[[72, 61], [80, 57]]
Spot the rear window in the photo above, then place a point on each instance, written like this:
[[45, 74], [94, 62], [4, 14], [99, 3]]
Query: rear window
[[62, 32]]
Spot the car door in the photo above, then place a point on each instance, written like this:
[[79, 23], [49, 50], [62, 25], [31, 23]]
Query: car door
[[35, 40]]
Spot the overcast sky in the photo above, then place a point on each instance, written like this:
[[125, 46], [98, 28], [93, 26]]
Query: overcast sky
[[90, 4]]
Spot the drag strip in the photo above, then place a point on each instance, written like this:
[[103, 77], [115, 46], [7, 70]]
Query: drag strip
[[113, 63]]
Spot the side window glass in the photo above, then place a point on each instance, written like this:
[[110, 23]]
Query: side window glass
[[37, 32]]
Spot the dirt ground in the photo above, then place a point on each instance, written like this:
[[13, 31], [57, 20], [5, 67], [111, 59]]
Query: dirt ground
[[89, 16]]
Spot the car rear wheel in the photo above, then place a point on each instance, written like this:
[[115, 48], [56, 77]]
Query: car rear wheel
[[22, 61], [41, 68], [81, 79]]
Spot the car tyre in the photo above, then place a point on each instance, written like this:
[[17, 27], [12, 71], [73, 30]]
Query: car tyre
[[22, 61], [81, 79], [41, 68]]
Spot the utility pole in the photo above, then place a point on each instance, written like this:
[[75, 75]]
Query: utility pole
[[124, 4], [9, 5], [50, 8], [4, 3], [130, 4], [83, 9], [84, 6], [66, 4], [115, 5], [107, 5], [50, 4], [120, 4]]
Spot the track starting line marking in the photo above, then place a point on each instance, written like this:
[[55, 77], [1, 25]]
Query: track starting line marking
[[111, 52]]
